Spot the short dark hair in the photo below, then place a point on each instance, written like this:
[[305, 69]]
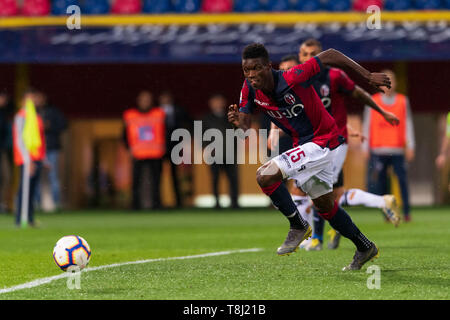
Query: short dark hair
[[254, 51], [290, 57], [312, 42]]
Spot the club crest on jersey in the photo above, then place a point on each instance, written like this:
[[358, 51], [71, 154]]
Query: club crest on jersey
[[324, 90], [289, 98]]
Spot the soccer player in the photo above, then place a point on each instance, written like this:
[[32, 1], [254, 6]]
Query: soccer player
[[332, 85], [290, 101]]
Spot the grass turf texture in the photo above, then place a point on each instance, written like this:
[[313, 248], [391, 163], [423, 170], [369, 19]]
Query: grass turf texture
[[414, 259]]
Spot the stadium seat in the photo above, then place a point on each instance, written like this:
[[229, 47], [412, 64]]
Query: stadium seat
[[186, 6], [446, 4], [36, 7], [397, 5], [278, 5], [217, 6], [126, 7], [338, 5], [247, 5], [95, 6], [156, 6], [59, 7], [362, 5], [8, 8], [428, 4], [308, 5]]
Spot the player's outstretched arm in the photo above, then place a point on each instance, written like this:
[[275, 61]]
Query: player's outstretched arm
[[239, 119], [364, 97], [339, 60]]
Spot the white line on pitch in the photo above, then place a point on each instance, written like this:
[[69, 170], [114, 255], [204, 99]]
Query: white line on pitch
[[39, 282]]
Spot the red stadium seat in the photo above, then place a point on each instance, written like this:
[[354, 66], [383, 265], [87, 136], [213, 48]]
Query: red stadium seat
[[362, 5], [36, 7], [8, 8], [217, 6], [126, 7]]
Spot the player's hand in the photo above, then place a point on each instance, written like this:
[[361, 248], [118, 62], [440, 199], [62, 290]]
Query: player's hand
[[378, 80], [233, 115], [391, 118]]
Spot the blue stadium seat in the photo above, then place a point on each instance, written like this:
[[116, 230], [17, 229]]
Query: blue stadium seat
[[59, 7], [397, 5], [247, 5], [95, 7], [278, 5], [428, 4], [156, 6], [446, 4], [186, 6], [338, 5], [308, 5]]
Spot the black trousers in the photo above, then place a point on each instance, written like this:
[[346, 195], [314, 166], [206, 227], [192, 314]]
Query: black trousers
[[231, 171], [175, 182], [153, 178]]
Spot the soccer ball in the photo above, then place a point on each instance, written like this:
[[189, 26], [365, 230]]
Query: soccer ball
[[70, 252]]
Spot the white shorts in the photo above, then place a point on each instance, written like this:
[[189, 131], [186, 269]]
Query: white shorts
[[339, 159], [311, 166]]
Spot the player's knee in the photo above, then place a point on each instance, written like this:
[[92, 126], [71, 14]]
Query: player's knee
[[261, 178], [266, 175], [324, 203]]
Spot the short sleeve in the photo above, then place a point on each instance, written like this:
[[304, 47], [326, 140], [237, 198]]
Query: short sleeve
[[246, 101], [345, 84], [304, 73]]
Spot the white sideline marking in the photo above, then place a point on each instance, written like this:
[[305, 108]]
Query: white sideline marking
[[39, 282]]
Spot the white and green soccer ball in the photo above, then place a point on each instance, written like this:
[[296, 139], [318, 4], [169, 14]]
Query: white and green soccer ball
[[71, 251]]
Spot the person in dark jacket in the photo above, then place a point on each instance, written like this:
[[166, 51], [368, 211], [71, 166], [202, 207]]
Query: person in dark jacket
[[217, 119], [6, 113], [176, 117], [55, 124]]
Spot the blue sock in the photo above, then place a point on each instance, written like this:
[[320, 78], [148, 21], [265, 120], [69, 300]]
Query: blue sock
[[319, 224], [281, 198]]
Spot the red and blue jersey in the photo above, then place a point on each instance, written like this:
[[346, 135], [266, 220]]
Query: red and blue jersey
[[332, 85], [294, 105]]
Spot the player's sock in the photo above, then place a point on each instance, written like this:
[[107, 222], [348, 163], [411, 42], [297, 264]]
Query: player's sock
[[356, 197], [303, 206], [319, 224], [341, 221], [282, 200]]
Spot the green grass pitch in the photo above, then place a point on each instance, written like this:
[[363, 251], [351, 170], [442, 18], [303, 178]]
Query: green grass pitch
[[414, 258]]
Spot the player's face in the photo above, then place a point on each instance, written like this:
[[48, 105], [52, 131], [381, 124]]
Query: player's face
[[286, 65], [257, 72], [307, 53]]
